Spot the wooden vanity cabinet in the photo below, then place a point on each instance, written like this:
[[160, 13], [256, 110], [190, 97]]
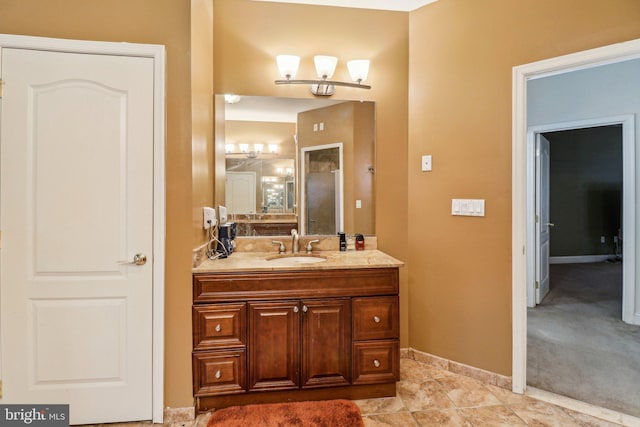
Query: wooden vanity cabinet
[[294, 335]]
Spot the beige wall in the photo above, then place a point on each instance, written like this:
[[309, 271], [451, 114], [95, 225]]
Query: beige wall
[[202, 107], [461, 56], [247, 37], [142, 21], [353, 124]]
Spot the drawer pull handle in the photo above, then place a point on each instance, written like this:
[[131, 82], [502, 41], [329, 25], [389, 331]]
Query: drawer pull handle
[[376, 363], [218, 327], [304, 308], [295, 309], [218, 374], [376, 319]]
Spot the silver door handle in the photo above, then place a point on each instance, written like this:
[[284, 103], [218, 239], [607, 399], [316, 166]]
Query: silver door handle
[[138, 259], [550, 224]]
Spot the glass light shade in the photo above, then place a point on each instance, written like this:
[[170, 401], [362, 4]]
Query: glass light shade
[[288, 65], [325, 65], [229, 148], [244, 148], [358, 69], [273, 148], [258, 148]]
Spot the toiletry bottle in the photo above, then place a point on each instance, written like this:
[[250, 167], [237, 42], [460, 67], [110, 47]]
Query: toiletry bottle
[[359, 242], [343, 241]]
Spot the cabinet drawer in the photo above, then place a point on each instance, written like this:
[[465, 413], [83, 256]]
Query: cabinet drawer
[[219, 372], [375, 318], [219, 325], [376, 362]]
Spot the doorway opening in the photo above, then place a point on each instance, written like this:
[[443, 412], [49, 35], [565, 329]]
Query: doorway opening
[[322, 189], [577, 344]]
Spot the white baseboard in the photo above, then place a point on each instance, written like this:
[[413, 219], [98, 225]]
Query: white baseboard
[[580, 259]]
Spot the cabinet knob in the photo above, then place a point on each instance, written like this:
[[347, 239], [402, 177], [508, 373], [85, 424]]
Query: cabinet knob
[[295, 309], [376, 319], [304, 308], [218, 374], [218, 327], [376, 363]]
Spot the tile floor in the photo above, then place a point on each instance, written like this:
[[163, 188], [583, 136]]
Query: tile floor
[[427, 396]]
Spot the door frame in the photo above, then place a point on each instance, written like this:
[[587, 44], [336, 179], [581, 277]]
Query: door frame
[[519, 200], [303, 184], [628, 202], [157, 53]]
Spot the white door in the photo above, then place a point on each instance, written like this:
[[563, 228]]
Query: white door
[[76, 166], [240, 192], [542, 215]]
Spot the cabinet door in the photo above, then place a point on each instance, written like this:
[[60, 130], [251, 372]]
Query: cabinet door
[[274, 345], [326, 342]]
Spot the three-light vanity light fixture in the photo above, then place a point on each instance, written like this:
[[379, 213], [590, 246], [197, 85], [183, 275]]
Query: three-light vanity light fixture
[[325, 67]]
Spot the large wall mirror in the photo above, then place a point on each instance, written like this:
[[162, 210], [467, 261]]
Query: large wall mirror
[[307, 164]]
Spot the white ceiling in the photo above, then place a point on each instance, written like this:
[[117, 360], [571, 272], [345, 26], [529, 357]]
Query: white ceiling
[[273, 109], [400, 5]]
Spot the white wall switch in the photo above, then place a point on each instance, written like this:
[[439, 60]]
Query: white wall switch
[[315, 127], [209, 217], [467, 207], [321, 126], [426, 163], [358, 204]]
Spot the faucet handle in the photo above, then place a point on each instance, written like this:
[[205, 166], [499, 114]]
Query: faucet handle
[[281, 248], [294, 231], [310, 245]]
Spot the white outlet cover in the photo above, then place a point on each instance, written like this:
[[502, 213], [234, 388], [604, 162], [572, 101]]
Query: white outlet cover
[[426, 163]]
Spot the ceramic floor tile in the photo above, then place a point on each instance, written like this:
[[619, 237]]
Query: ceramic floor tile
[[544, 415], [424, 396], [441, 417], [508, 397], [380, 406], [403, 419], [466, 392], [492, 416], [202, 420]]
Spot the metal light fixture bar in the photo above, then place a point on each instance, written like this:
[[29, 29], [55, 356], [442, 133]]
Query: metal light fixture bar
[[325, 67]]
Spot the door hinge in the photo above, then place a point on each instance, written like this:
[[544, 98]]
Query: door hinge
[[537, 219], [537, 285]]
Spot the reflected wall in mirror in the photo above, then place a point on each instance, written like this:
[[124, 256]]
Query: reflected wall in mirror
[[264, 139]]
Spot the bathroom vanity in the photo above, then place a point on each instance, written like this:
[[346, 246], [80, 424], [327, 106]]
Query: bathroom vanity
[[295, 331]]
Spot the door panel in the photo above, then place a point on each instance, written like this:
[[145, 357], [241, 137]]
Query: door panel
[[326, 334], [77, 193], [542, 211]]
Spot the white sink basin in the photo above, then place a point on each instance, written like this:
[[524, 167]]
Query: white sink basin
[[295, 259]]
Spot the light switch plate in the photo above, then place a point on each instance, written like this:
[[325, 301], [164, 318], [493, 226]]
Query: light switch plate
[[467, 207], [426, 163]]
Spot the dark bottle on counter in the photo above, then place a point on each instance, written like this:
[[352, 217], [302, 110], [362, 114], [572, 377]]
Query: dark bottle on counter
[[343, 241], [359, 242]]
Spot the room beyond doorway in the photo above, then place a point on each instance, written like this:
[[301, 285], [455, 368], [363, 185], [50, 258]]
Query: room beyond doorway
[[577, 344]]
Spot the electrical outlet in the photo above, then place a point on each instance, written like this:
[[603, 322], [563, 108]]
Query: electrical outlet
[[602, 239], [208, 217], [426, 163]]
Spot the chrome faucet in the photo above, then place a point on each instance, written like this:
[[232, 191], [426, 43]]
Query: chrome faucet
[[295, 244]]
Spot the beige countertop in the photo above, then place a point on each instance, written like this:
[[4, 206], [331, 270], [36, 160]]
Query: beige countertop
[[264, 261]]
